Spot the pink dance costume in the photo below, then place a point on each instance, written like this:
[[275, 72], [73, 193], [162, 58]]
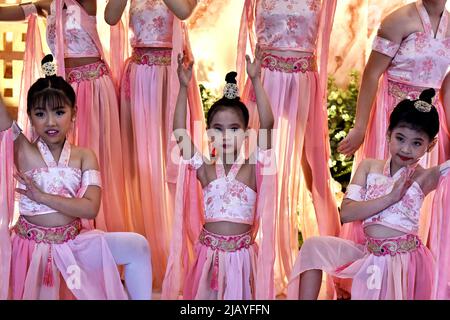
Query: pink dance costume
[[420, 61], [296, 88], [382, 268], [223, 267], [37, 258], [147, 101], [72, 33]]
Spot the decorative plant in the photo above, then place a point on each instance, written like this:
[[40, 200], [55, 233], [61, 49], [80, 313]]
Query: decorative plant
[[341, 104]]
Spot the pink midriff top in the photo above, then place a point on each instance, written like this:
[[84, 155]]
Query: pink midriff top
[[226, 198], [77, 42], [151, 24], [58, 179], [422, 58], [288, 24], [403, 215]]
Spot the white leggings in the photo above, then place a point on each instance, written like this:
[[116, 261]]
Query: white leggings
[[132, 250]]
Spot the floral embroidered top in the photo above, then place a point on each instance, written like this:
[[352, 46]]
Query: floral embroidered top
[[226, 198], [77, 41], [422, 58], [57, 178], [403, 215], [288, 24], [151, 24]]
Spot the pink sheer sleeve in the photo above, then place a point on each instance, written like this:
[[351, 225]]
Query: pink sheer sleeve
[[266, 205], [246, 35], [119, 47], [59, 39], [188, 221], [6, 206], [323, 45], [439, 239], [31, 71], [385, 46], [195, 118]]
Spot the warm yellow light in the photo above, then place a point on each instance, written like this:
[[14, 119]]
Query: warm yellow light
[[9, 37]]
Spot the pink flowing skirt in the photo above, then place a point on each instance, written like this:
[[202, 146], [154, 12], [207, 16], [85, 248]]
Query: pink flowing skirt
[[400, 268], [301, 130], [224, 268], [97, 128], [61, 263], [144, 113]]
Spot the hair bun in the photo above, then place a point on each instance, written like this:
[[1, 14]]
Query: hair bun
[[48, 66], [427, 95], [231, 77], [47, 58]]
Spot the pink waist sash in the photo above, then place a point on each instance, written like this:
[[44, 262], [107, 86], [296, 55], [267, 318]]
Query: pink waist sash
[[152, 57], [392, 246], [289, 64], [87, 72]]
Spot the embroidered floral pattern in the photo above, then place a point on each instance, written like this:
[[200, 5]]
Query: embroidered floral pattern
[[227, 199], [284, 24], [393, 246], [289, 64], [56, 178], [403, 214], [87, 72], [77, 42], [422, 58], [55, 235], [151, 23]]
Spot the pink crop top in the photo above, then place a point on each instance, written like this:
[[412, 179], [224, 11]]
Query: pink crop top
[[403, 215], [77, 41], [226, 198], [151, 24], [288, 25], [421, 59], [58, 179]]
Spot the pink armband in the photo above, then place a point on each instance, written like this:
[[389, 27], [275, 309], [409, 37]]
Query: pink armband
[[385, 46], [28, 9], [355, 192]]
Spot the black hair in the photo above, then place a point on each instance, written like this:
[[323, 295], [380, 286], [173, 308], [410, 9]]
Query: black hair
[[51, 91], [406, 114], [228, 104]]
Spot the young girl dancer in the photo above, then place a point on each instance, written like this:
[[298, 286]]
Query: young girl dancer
[[295, 36], [59, 187], [225, 264], [73, 39], [411, 52], [147, 104], [386, 195]]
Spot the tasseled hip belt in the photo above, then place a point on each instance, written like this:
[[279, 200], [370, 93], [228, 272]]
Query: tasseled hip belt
[[223, 243], [48, 235]]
